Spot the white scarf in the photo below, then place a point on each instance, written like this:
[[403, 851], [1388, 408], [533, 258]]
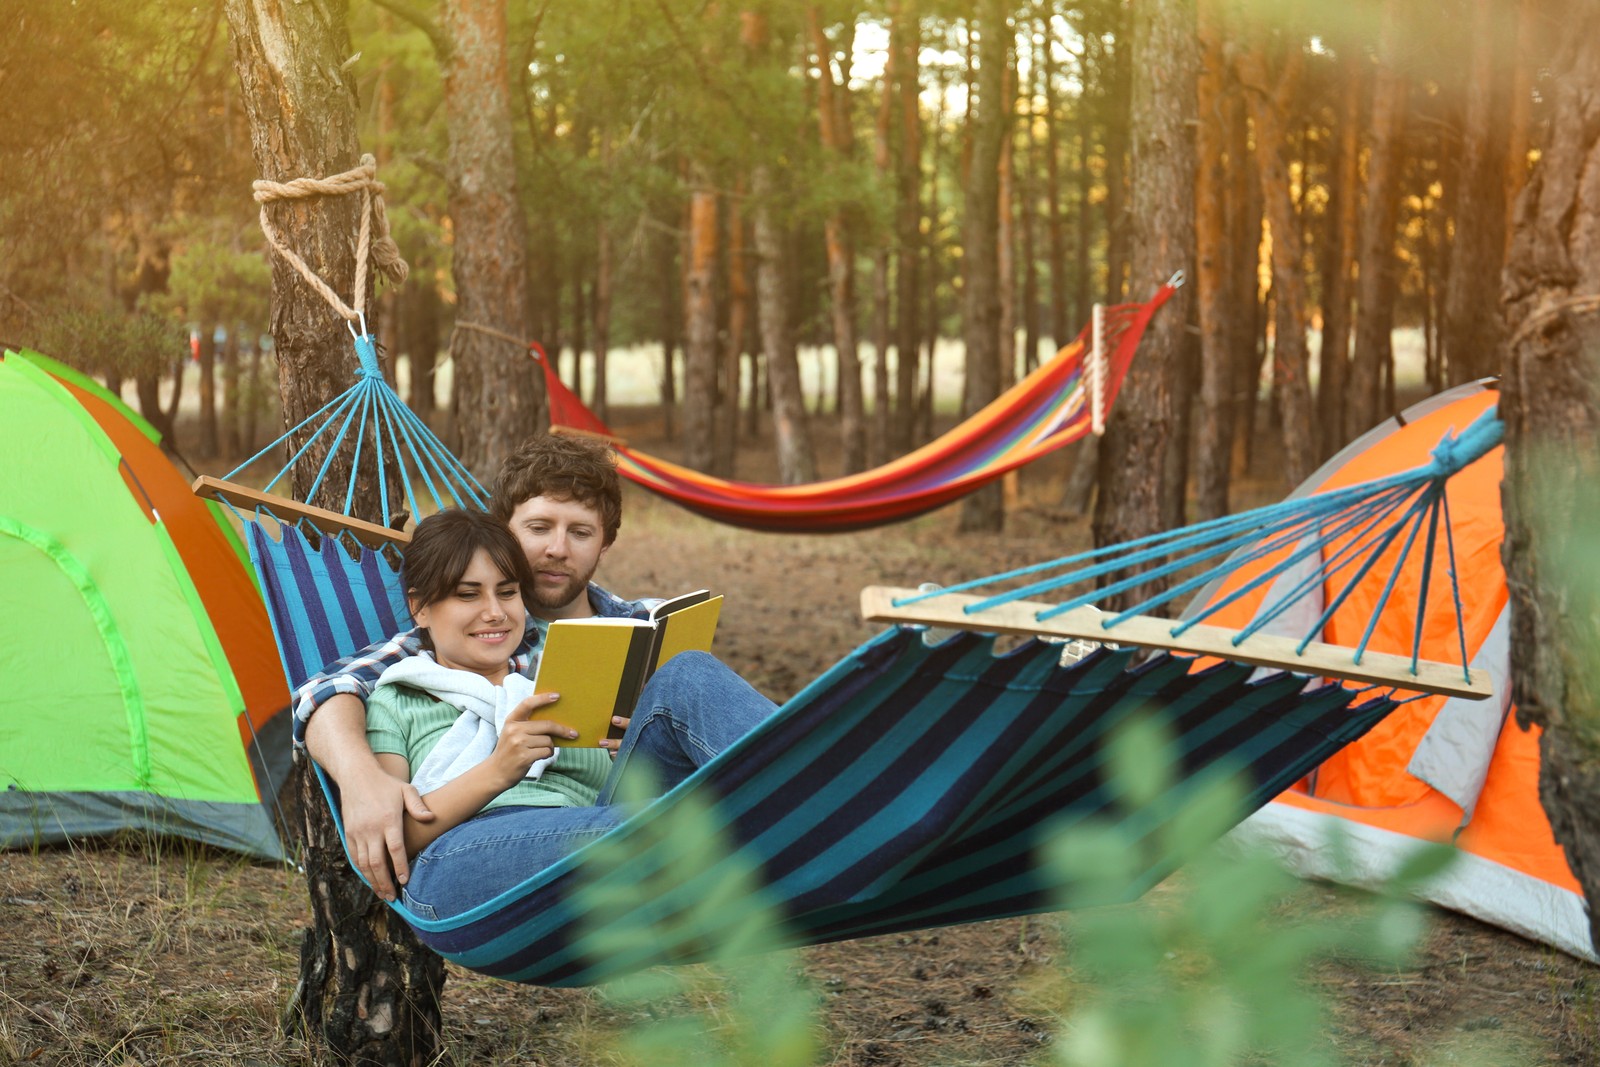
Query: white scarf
[[484, 707]]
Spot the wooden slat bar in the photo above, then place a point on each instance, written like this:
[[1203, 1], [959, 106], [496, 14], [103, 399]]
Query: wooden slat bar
[[1145, 631], [243, 497]]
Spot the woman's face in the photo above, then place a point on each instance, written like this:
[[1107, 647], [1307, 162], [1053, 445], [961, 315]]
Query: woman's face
[[479, 625]]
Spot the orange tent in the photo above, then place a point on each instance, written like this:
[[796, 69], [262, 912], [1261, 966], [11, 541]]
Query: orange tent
[[1436, 768]]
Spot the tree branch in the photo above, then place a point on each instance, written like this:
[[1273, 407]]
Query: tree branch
[[435, 35]]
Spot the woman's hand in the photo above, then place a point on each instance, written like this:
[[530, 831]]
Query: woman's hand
[[524, 740]]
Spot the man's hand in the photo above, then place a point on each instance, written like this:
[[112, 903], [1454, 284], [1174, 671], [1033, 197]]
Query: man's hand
[[374, 805], [611, 744], [525, 740], [372, 802]]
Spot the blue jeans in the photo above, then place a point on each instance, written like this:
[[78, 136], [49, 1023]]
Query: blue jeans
[[690, 710]]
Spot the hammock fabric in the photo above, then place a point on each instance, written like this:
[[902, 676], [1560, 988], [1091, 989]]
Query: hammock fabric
[[1049, 408], [906, 788]]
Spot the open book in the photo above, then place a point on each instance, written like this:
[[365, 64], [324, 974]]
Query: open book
[[599, 665]]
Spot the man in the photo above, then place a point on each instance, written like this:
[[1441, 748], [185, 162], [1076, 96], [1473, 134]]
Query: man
[[561, 498]]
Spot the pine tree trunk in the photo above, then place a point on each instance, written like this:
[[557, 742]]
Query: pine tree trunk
[[791, 429], [1334, 362], [1120, 222], [1270, 95], [833, 115], [1375, 302], [1214, 443], [905, 40], [1061, 324], [988, 129], [1525, 58], [368, 992], [499, 402], [740, 301], [700, 326], [1244, 272], [1470, 334], [1551, 406], [231, 443], [880, 433], [207, 446], [1133, 453], [1006, 238]]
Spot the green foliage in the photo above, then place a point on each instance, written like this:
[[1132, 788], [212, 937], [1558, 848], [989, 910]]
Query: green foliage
[[215, 282], [128, 344], [1215, 974], [677, 885], [1217, 977]]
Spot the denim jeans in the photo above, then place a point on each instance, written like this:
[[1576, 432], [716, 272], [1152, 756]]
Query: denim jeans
[[690, 710]]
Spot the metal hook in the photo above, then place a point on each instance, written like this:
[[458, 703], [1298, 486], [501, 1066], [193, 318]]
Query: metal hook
[[1176, 280]]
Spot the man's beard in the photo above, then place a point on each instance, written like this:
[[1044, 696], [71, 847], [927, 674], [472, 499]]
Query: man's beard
[[545, 598]]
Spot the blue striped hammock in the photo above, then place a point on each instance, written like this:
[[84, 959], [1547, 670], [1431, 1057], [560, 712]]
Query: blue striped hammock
[[912, 784]]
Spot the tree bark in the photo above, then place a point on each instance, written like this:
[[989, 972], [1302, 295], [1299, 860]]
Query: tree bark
[[1061, 328], [1120, 221], [740, 301], [988, 129], [1006, 236], [1270, 95], [498, 400], [1551, 406], [833, 115], [601, 310], [700, 325], [1343, 212], [207, 445], [1375, 299], [1139, 434], [369, 992], [1471, 337], [1214, 444], [905, 40]]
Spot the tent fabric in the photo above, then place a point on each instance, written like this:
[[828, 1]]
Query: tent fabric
[[1048, 409], [906, 788], [1438, 768], [135, 651]]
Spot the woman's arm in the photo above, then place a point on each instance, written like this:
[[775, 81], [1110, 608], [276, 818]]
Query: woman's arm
[[523, 740]]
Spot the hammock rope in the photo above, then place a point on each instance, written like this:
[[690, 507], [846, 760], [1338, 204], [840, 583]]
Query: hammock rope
[[369, 420], [1356, 527]]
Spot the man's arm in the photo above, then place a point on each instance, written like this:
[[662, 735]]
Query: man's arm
[[372, 802]]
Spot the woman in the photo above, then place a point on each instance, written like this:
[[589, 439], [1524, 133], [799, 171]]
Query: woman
[[460, 725]]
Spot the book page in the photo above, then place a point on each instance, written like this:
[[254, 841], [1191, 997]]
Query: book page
[[678, 603], [689, 629]]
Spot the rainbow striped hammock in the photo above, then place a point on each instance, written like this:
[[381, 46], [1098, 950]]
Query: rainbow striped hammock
[[1062, 400], [913, 784]]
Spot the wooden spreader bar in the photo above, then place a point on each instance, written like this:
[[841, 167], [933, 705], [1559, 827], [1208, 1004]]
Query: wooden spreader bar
[[243, 497], [1262, 650]]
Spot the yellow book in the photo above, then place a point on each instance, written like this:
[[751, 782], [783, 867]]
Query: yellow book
[[600, 665]]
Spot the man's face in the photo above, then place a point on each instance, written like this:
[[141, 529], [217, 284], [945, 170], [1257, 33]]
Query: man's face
[[563, 541]]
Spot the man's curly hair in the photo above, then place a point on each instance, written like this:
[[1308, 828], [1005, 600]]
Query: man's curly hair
[[563, 466]]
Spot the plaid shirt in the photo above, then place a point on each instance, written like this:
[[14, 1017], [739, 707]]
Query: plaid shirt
[[358, 674]]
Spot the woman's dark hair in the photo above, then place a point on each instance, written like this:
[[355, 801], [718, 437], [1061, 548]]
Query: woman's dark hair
[[442, 547]]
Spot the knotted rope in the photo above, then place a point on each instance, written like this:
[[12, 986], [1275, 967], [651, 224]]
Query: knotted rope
[[372, 243]]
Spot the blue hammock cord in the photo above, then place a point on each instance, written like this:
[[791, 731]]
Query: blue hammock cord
[[1333, 532], [385, 432]]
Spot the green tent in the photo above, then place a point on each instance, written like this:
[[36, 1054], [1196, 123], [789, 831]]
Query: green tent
[[142, 689]]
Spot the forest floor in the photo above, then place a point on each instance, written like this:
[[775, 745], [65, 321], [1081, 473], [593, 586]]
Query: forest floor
[[132, 952]]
